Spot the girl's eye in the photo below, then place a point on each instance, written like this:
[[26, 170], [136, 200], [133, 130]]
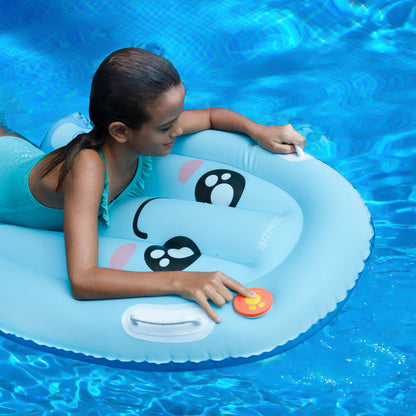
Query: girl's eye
[[166, 128]]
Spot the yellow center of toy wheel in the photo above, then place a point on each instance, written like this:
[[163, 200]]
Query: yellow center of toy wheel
[[253, 301]]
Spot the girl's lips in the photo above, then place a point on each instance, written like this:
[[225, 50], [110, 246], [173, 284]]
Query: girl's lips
[[170, 144]]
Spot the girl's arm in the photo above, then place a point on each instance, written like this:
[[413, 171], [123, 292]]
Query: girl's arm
[[83, 188], [277, 139]]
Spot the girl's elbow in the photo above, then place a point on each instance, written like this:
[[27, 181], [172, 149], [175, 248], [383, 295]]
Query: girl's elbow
[[78, 293], [79, 289]]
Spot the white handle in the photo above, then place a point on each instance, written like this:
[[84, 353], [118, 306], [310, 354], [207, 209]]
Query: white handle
[[299, 150], [192, 320], [167, 323]]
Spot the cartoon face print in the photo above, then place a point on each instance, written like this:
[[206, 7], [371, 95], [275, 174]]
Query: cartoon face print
[[178, 253], [220, 187]]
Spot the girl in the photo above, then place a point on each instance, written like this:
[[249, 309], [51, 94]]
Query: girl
[[136, 106]]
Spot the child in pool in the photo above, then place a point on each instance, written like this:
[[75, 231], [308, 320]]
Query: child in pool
[[136, 106]]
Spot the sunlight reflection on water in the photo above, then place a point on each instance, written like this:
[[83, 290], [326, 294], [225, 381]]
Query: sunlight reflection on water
[[343, 73]]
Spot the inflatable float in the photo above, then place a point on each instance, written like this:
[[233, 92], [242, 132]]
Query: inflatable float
[[288, 225]]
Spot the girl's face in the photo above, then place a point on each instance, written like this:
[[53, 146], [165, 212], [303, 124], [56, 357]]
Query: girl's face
[[157, 136]]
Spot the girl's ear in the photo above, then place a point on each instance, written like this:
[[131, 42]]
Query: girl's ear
[[118, 131]]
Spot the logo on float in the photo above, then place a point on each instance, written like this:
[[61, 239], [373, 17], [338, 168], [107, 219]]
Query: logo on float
[[268, 232]]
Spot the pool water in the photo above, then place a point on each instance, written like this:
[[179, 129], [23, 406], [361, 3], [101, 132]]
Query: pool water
[[343, 73]]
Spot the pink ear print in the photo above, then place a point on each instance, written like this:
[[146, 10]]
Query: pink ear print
[[121, 256], [188, 169]]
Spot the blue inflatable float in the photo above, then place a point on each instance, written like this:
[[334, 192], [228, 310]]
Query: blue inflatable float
[[288, 224]]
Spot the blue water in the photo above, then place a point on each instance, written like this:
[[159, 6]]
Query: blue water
[[343, 73]]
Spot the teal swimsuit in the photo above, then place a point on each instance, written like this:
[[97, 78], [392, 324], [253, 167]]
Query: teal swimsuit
[[17, 204]]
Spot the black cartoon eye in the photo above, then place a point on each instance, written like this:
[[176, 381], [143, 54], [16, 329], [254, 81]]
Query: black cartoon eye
[[178, 253], [220, 187]]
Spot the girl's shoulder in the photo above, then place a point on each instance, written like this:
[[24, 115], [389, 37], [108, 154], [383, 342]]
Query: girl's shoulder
[[89, 159], [88, 166]]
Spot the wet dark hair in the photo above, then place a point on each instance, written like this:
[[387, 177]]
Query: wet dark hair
[[123, 89]]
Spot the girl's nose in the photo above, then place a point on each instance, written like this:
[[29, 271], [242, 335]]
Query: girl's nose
[[176, 130]]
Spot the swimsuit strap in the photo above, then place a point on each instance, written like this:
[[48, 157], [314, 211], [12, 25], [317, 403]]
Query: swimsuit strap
[[133, 189], [103, 215], [100, 152]]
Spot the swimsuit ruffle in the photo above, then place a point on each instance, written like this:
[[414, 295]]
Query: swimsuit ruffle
[[134, 188]]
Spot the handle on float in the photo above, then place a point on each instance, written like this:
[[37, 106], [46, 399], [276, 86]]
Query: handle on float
[[192, 320], [299, 150]]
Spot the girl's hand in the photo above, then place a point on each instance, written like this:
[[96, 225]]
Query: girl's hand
[[213, 286], [278, 139]]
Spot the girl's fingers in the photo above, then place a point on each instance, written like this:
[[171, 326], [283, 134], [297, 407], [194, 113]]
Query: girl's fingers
[[217, 289], [203, 302], [238, 287], [217, 297], [220, 293], [282, 148], [280, 139]]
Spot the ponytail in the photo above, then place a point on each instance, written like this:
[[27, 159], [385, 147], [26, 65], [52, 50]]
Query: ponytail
[[68, 153]]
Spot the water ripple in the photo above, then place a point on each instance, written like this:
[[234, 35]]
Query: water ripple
[[341, 71]]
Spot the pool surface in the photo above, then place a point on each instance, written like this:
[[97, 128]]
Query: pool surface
[[343, 73]]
